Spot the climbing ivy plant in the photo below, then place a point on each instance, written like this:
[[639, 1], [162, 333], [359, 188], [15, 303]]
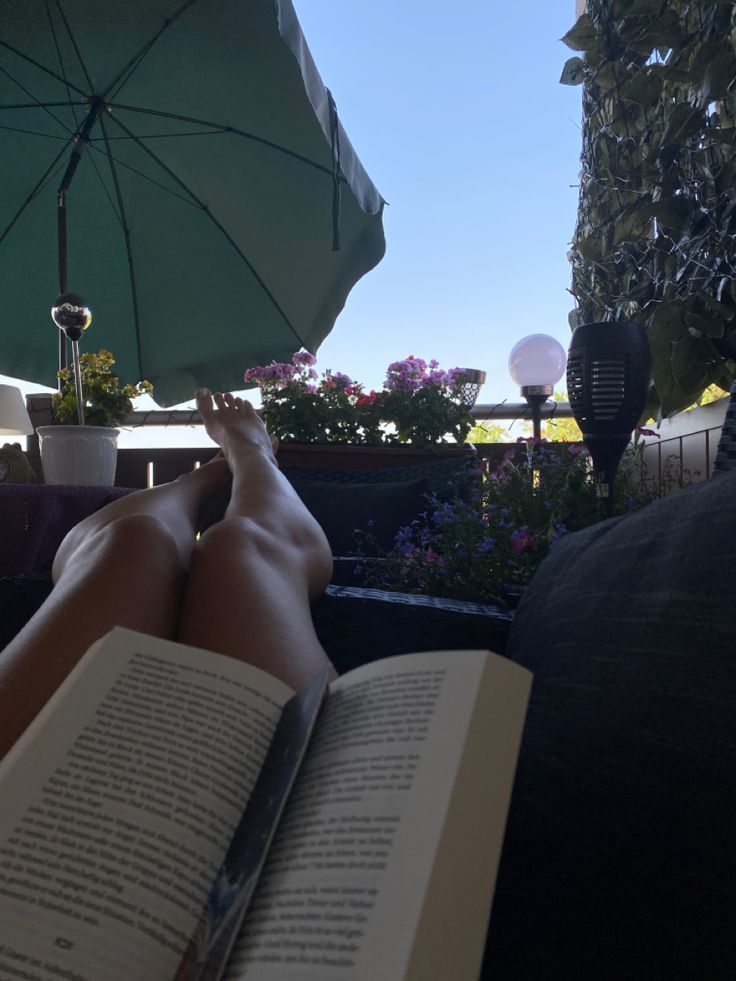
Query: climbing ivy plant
[[655, 239]]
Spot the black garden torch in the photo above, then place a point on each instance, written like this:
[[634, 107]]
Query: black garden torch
[[608, 374]]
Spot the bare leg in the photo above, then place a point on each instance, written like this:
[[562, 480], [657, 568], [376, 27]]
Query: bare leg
[[254, 574], [177, 505], [124, 565]]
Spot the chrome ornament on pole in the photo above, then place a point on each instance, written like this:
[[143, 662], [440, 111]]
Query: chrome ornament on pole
[[71, 315]]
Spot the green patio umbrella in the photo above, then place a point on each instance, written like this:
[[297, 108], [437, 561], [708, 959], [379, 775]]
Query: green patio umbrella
[[180, 164]]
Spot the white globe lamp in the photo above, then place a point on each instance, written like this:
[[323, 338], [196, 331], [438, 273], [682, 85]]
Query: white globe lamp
[[536, 364]]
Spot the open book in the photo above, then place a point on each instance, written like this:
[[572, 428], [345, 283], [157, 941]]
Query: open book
[[138, 815]]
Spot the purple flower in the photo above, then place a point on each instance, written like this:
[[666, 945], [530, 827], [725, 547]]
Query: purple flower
[[409, 374], [339, 381], [303, 359], [560, 531], [274, 373], [487, 545], [444, 514]]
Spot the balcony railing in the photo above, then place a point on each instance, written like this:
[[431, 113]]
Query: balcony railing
[[687, 456]]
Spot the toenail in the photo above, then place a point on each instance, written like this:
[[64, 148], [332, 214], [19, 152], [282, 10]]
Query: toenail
[[201, 393]]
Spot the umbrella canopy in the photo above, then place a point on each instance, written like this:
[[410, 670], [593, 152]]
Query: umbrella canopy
[[217, 214]]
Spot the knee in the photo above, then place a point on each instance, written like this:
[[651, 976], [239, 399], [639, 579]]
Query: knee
[[132, 543], [245, 542], [235, 539]]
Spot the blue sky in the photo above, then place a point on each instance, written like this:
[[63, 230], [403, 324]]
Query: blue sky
[[459, 117], [457, 114]]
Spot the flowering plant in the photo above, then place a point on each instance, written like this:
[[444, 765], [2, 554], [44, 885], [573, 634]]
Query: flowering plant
[[419, 404], [107, 402], [482, 543]]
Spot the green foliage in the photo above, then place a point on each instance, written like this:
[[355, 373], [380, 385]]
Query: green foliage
[[485, 431], [657, 210], [106, 402], [477, 545]]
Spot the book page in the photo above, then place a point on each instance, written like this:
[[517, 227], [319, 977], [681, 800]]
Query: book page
[[119, 804], [342, 892]]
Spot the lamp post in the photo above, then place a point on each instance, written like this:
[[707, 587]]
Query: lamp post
[[536, 363]]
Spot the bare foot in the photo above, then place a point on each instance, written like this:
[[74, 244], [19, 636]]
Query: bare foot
[[233, 424]]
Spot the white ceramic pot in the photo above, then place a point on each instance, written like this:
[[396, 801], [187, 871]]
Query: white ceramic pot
[[79, 454]]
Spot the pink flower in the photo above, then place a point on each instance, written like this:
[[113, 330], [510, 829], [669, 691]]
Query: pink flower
[[522, 541]]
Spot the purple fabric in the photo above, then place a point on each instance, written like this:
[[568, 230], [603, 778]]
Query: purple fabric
[[34, 519]]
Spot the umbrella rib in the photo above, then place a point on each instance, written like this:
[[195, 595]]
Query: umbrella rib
[[215, 222], [126, 236], [43, 68], [33, 132], [145, 177], [74, 43], [61, 63], [35, 102], [125, 73], [226, 129], [169, 136], [41, 182]]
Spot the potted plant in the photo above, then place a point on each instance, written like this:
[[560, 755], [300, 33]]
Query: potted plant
[[485, 544], [421, 408], [73, 454]]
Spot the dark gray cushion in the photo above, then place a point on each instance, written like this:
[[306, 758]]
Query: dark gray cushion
[[382, 508], [619, 861]]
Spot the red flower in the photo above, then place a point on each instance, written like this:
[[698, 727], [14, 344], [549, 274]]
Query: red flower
[[363, 400]]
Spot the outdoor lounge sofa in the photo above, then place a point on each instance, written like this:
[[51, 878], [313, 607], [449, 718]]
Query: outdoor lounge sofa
[[619, 858], [354, 624]]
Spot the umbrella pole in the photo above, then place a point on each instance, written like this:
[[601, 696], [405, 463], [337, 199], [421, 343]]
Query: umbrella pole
[[61, 230], [81, 141], [61, 239]]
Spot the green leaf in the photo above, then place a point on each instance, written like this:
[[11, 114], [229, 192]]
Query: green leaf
[[719, 75], [643, 89], [670, 74], [720, 309], [699, 325], [573, 71], [672, 213], [582, 36]]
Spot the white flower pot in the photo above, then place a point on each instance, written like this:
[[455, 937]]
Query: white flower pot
[[79, 454]]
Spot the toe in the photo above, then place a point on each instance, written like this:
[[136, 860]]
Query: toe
[[203, 398]]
